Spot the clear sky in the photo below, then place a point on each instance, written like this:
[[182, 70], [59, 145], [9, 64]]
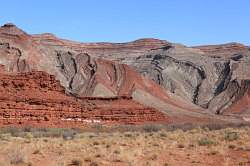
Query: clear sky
[[191, 22]]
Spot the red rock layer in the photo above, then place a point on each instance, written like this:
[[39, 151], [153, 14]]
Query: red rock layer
[[223, 49], [141, 44], [37, 99], [241, 106]]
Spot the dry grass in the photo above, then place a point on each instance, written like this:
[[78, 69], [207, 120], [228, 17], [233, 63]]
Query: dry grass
[[152, 147]]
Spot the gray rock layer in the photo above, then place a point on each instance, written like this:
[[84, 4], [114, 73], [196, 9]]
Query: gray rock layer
[[212, 77]]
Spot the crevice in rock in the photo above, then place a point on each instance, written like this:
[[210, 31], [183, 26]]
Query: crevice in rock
[[236, 57], [197, 89], [196, 93], [224, 79], [19, 54], [66, 69], [75, 71], [234, 84]]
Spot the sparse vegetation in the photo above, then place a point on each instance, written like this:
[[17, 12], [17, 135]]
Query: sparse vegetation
[[76, 162], [205, 142], [68, 135], [180, 146], [143, 146], [37, 151], [231, 136], [152, 128]]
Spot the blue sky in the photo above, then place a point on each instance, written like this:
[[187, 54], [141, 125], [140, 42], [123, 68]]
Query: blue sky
[[191, 22]]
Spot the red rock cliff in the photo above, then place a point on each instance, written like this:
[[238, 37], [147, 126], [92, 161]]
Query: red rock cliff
[[37, 99]]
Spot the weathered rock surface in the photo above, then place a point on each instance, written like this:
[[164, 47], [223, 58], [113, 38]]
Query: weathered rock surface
[[241, 106], [36, 98], [210, 81], [178, 80], [80, 73], [209, 76]]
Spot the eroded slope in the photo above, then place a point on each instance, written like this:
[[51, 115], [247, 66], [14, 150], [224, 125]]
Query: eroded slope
[[212, 77]]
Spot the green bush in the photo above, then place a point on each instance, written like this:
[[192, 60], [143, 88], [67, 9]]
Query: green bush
[[231, 136], [205, 142]]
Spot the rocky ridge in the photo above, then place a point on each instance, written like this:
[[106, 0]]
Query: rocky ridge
[[213, 76], [186, 83]]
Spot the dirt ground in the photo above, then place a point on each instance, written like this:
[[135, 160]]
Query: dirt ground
[[196, 147]]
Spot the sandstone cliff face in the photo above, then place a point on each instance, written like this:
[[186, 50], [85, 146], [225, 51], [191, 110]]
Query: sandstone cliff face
[[36, 98]]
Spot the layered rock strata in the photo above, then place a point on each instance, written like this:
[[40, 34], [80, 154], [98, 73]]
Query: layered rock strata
[[37, 99], [176, 79]]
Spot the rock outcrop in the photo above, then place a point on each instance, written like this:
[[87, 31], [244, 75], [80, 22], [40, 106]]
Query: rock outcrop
[[210, 81], [209, 76], [36, 98], [198, 82], [79, 72]]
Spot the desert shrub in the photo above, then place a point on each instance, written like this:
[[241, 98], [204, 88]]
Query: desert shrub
[[29, 164], [215, 126], [218, 126], [163, 135], [95, 143], [76, 162], [117, 152], [54, 133], [183, 126], [180, 146], [231, 146], [27, 129], [205, 142], [213, 152], [5, 137], [14, 132], [231, 136], [68, 135], [127, 134], [37, 132], [152, 128], [87, 159], [29, 135], [37, 151], [153, 157]]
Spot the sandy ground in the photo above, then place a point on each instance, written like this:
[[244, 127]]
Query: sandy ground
[[197, 147]]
